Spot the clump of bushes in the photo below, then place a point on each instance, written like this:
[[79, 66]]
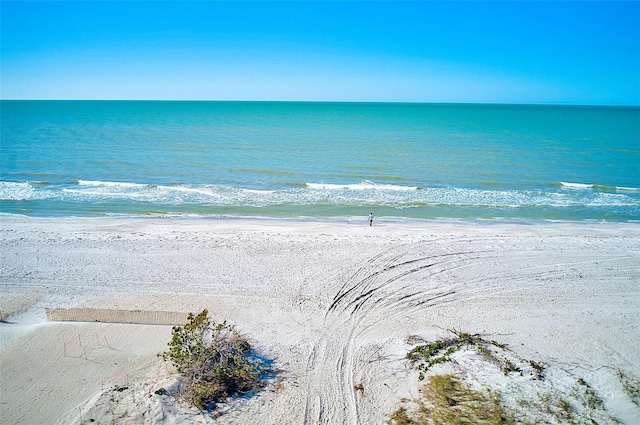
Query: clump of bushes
[[215, 360], [424, 356]]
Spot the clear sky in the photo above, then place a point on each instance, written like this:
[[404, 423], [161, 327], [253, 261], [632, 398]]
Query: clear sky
[[578, 52]]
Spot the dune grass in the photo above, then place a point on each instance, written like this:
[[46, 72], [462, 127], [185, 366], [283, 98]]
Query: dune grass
[[449, 399], [446, 399]]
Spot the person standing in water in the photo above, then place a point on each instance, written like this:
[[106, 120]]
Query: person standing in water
[[370, 218]]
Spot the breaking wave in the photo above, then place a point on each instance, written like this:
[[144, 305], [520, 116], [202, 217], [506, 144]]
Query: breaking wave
[[365, 185], [598, 187], [110, 197]]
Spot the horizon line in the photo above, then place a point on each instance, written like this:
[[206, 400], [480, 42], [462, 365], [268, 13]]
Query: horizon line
[[629, 105]]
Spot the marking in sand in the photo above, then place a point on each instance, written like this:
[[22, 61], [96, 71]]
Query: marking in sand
[[393, 283], [408, 282], [77, 347]]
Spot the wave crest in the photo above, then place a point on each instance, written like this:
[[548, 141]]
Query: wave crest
[[598, 187], [365, 185]]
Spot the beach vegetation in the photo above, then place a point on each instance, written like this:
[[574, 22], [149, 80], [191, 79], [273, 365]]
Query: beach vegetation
[[215, 361], [509, 366], [537, 368], [424, 356], [588, 395], [448, 400], [581, 405], [631, 387]]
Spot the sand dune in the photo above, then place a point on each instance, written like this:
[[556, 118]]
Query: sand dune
[[332, 304]]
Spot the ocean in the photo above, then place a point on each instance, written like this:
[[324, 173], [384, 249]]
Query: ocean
[[334, 161]]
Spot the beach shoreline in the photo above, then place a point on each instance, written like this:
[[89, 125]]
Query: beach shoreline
[[333, 304]]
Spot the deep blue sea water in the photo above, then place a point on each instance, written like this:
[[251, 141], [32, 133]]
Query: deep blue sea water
[[319, 160]]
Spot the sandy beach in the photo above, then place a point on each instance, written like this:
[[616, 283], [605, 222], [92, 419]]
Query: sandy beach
[[333, 304]]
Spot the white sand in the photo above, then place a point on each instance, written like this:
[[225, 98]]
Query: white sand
[[332, 304]]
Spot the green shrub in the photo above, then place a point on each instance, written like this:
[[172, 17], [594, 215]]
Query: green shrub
[[215, 361]]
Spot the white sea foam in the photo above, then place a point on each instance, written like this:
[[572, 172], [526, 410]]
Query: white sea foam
[[109, 184], [599, 187], [577, 185], [208, 191], [108, 194], [204, 190], [346, 199], [12, 191], [258, 192], [365, 185], [366, 193]]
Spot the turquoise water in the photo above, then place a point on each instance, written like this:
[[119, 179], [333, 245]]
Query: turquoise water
[[324, 160]]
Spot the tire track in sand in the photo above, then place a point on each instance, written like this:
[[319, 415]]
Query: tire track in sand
[[407, 281], [393, 283]]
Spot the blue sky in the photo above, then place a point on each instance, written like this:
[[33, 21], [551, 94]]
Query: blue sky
[[579, 52]]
